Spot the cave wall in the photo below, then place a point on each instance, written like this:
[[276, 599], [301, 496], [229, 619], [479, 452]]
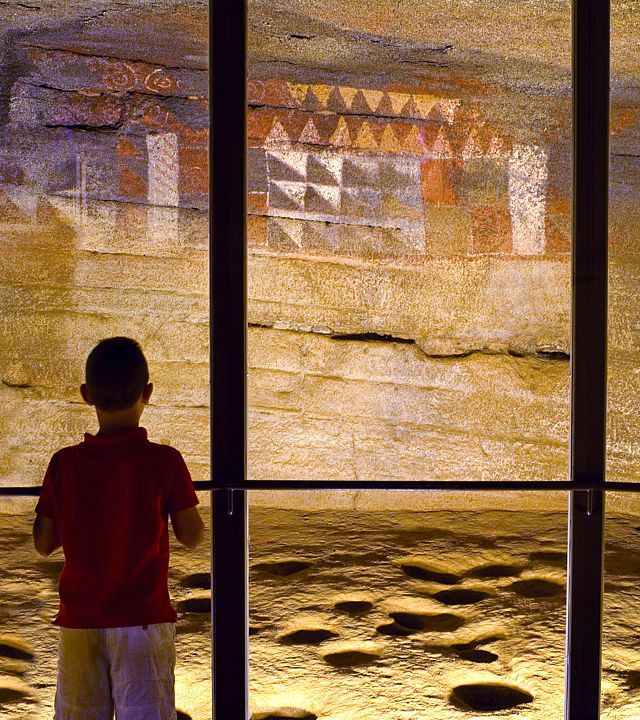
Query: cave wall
[[409, 267]]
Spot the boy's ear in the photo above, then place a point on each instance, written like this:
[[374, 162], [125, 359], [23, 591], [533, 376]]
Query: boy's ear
[[146, 393], [85, 394]]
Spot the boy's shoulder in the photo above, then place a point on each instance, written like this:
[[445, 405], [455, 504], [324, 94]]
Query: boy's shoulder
[[163, 448], [158, 455], [65, 451], [159, 449], [61, 456]]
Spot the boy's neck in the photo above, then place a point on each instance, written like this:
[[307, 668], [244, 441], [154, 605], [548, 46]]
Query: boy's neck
[[114, 429], [112, 422]]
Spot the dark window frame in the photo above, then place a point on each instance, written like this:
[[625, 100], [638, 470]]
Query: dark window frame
[[228, 356]]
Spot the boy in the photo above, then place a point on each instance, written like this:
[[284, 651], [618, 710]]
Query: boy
[[106, 501]]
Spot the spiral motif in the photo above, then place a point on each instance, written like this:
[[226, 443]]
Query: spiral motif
[[158, 81], [118, 76]]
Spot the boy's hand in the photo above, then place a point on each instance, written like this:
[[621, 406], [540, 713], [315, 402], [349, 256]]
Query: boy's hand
[[45, 535]]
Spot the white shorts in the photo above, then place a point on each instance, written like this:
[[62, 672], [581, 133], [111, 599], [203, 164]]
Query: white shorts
[[128, 669]]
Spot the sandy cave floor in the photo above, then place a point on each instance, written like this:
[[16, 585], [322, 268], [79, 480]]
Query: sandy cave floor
[[365, 616]]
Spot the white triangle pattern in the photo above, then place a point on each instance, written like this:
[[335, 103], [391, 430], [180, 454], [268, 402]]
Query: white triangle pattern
[[328, 193], [348, 94], [310, 134], [332, 163], [398, 101], [322, 93], [423, 103], [293, 230], [294, 159], [448, 109], [373, 98], [295, 191], [278, 136]]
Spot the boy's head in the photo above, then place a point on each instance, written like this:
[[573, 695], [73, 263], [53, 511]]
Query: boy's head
[[116, 374]]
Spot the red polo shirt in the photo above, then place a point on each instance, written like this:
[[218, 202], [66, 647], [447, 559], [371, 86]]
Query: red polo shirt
[[110, 497]]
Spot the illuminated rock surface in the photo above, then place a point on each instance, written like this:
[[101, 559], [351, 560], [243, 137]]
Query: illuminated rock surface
[[402, 614], [409, 228], [409, 206]]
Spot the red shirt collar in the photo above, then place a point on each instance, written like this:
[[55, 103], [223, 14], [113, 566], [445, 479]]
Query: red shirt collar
[[115, 442]]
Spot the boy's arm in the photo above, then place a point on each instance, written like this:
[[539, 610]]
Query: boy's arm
[[45, 535], [45, 530], [188, 527]]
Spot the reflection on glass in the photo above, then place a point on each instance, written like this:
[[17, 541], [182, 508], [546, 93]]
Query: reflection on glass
[[621, 611], [366, 608], [29, 603], [104, 131], [409, 235], [623, 448]]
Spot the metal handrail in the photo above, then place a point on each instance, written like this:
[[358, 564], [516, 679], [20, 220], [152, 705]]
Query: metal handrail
[[446, 485]]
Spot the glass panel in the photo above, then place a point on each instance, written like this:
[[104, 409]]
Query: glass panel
[[103, 231], [103, 221], [623, 449], [28, 599], [29, 603], [406, 605], [409, 236], [190, 592], [620, 657]]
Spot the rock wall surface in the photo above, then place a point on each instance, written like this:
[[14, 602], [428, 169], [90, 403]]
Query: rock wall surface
[[409, 234]]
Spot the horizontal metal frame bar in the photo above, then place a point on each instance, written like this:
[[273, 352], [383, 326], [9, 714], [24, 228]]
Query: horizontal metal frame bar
[[447, 485]]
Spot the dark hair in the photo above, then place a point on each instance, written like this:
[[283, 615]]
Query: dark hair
[[116, 373]]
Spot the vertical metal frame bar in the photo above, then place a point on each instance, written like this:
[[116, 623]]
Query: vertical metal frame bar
[[228, 360], [588, 355]]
